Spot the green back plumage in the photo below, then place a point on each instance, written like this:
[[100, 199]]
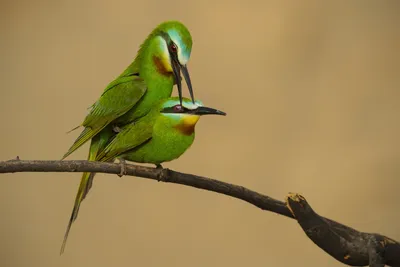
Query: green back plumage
[[115, 101]]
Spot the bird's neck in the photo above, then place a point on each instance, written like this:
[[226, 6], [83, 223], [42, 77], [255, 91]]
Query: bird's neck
[[187, 127], [182, 124], [155, 65], [152, 61]]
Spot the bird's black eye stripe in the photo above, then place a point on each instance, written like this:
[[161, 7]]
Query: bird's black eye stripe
[[173, 110], [173, 47]]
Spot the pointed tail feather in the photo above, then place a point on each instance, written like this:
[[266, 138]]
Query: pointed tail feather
[[73, 129], [84, 187]]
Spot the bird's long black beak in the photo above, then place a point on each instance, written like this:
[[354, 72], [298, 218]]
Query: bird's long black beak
[[208, 111], [186, 75], [176, 68]]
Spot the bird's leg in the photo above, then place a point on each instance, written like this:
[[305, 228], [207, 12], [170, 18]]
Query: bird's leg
[[116, 129], [158, 166], [123, 167], [160, 174]]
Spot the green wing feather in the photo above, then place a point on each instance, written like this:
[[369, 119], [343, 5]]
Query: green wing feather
[[131, 136], [119, 97]]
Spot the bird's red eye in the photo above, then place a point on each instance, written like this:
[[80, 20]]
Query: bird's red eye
[[173, 47], [178, 108]]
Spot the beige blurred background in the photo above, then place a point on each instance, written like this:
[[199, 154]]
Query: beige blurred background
[[311, 89]]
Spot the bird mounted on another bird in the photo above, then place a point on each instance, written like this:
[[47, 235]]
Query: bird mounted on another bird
[[148, 79], [162, 135]]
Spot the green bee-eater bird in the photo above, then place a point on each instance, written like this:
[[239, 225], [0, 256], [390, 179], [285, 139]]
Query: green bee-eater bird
[[150, 78], [162, 135]]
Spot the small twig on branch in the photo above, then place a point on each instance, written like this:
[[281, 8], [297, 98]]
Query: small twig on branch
[[343, 243]]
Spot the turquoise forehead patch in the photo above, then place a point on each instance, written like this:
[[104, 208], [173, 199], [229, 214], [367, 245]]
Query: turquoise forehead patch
[[198, 102], [187, 103], [176, 37]]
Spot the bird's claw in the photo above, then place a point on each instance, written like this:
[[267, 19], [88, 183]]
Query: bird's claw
[[161, 174], [116, 129], [123, 167], [159, 166]]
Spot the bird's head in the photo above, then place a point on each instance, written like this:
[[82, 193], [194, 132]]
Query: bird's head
[[185, 116], [171, 45]]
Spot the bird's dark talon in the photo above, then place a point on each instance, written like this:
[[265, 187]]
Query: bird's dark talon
[[163, 174], [116, 129], [159, 176], [159, 166], [123, 167]]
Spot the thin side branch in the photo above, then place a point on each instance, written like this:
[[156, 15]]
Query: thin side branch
[[345, 244]]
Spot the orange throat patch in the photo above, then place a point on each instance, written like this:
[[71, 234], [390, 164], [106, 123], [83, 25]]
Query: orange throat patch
[[187, 124], [160, 66]]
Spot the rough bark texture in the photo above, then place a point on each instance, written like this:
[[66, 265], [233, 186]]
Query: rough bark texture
[[344, 243]]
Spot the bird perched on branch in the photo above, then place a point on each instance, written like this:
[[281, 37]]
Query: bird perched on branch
[[150, 78], [162, 135]]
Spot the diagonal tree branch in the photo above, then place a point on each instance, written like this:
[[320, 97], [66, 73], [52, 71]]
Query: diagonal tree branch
[[343, 243]]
